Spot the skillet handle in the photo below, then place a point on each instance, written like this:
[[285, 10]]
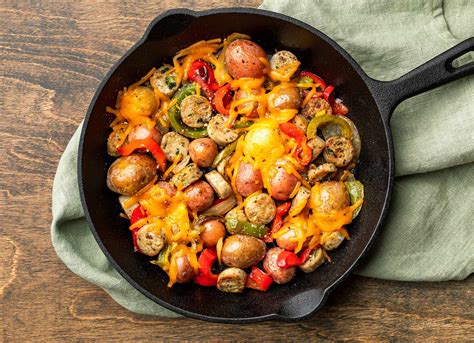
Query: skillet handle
[[432, 74], [301, 305]]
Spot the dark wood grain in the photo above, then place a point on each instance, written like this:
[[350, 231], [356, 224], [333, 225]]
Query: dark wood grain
[[53, 56]]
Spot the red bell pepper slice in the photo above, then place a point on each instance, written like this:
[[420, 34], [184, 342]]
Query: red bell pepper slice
[[339, 108], [205, 261], [151, 145], [302, 152], [277, 221], [315, 78], [202, 73], [137, 214], [327, 94], [222, 99], [258, 280], [287, 259]]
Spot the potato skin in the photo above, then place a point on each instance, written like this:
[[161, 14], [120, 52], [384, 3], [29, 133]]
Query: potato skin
[[142, 132], [284, 240], [282, 184], [199, 196], [242, 59], [248, 179], [127, 175], [203, 151], [287, 98], [332, 196], [212, 232], [242, 251], [168, 187], [185, 271], [278, 274], [242, 94]]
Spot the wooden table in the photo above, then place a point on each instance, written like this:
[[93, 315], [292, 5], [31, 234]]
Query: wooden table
[[53, 56]]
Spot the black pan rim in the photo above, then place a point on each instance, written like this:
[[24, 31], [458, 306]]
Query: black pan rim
[[243, 10]]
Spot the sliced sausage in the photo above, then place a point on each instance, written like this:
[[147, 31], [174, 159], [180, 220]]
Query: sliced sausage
[[113, 140], [127, 175], [173, 144], [282, 59], [301, 123], [170, 190], [333, 240], [150, 241], [243, 59], [317, 146], [203, 151], [316, 105], [315, 259], [232, 280], [299, 201], [282, 184], [186, 176], [316, 174], [242, 251], [199, 196], [248, 179], [339, 150], [165, 80], [219, 133], [279, 275], [260, 209], [196, 111], [219, 184]]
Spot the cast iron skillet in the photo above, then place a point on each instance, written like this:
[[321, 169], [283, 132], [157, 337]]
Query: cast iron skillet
[[370, 102]]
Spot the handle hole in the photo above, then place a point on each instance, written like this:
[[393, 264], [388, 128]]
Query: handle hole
[[463, 60]]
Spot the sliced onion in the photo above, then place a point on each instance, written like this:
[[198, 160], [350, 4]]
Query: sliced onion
[[183, 163], [331, 130], [222, 207]]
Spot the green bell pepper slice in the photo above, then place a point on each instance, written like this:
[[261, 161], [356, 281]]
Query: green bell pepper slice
[[229, 149], [175, 114], [356, 192], [324, 119], [235, 226]]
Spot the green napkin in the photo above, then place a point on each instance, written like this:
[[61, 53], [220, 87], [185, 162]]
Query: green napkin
[[428, 232]]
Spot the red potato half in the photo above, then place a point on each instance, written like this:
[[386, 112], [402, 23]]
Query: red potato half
[[242, 58]]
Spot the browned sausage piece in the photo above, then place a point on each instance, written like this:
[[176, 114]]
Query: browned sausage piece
[[260, 208], [339, 150], [315, 259], [149, 240], [248, 179], [232, 280], [203, 151], [281, 59], [278, 274], [199, 196], [127, 175], [242, 251], [282, 184], [316, 105], [242, 59]]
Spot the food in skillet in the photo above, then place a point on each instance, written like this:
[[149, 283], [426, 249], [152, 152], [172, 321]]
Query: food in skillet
[[234, 168]]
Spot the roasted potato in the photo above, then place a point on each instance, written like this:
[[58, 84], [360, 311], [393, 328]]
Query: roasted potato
[[287, 98], [138, 102], [185, 271], [143, 132], [279, 275], [127, 175], [212, 231], [199, 196], [203, 151], [248, 179], [242, 94], [282, 184], [242, 251], [242, 58], [329, 196]]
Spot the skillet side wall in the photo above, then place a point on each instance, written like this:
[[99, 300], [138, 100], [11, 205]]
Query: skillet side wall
[[169, 35]]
